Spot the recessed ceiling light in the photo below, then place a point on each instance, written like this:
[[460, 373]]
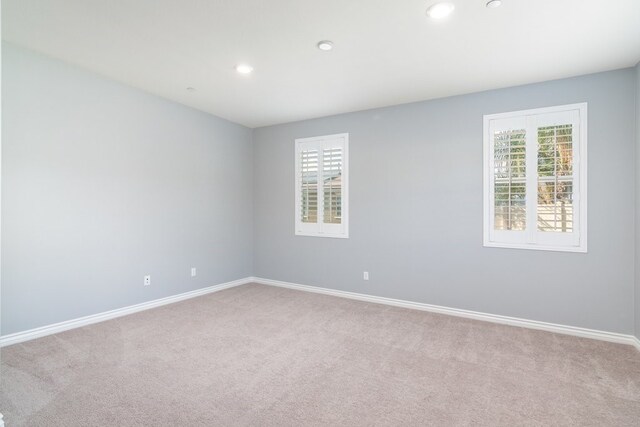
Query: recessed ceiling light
[[244, 69], [494, 3], [325, 45], [440, 10]]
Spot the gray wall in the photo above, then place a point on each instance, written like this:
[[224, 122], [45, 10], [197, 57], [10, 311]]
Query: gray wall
[[416, 209], [102, 184], [637, 196]]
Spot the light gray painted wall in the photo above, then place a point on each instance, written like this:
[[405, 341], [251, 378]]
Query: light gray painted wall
[[416, 209], [102, 184], [637, 194]]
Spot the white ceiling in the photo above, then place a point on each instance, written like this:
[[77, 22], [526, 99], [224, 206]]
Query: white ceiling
[[386, 51]]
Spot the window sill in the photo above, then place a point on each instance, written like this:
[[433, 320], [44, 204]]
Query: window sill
[[577, 249], [334, 236]]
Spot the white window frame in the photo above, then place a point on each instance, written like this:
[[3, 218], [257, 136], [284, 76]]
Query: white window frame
[[320, 229], [531, 238]]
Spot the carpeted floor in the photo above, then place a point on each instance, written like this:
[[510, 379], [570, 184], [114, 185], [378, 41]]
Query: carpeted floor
[[259, 355]]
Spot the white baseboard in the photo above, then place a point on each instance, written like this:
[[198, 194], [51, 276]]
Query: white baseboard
[[494, 318], [19, 337], [30, 334]]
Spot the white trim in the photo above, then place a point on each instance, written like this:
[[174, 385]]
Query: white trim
[[534, 247], [55, 328], [573, 242], [493, 318], [19, 337], [320, 229]]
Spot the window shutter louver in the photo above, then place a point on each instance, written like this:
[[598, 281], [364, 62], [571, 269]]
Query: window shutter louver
[[309, 186], [332, 179], [510, 181], [555, 178]]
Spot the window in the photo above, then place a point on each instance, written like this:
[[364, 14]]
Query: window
[[535, 179], [322, 186]]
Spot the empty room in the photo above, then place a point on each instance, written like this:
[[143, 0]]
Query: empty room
[[337, 213]]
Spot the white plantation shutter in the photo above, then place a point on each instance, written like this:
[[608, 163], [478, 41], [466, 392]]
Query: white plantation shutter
[[309, 185], [510, 185], [560, 178], [332, 185], [555, 178], [535, 179], [322, 186], [508, 180]]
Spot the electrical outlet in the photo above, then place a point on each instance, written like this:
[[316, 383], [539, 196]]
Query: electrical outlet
[[193, 272], [147, 280], [365, 275]]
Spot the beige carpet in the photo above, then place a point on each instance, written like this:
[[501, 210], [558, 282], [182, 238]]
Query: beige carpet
[[258, 355]]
